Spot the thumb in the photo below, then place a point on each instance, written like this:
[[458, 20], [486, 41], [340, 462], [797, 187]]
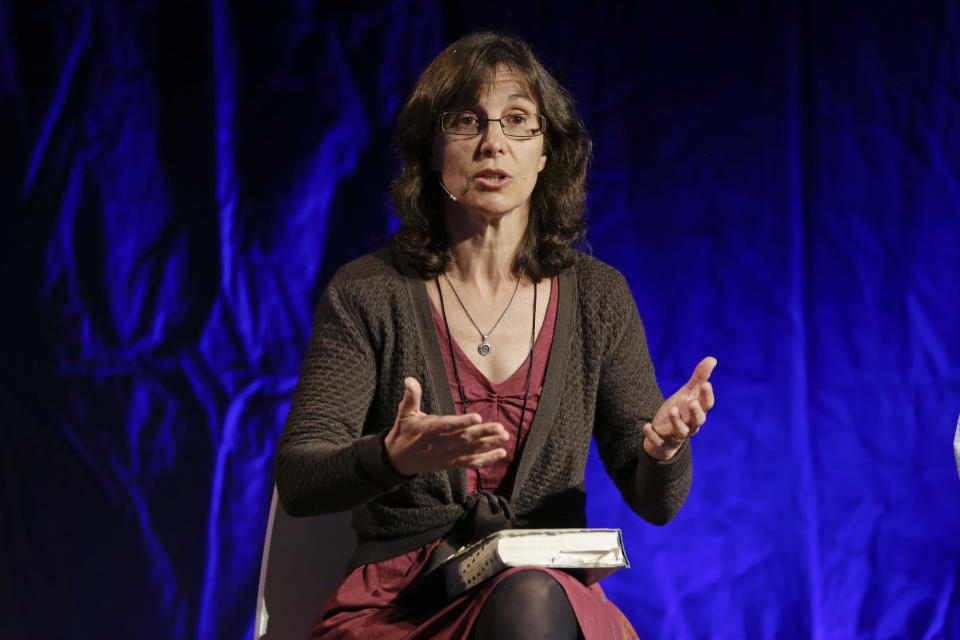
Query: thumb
[[702, 372], [411, 397]]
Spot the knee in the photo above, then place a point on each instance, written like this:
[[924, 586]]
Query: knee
[[531, 590], [525, 605]]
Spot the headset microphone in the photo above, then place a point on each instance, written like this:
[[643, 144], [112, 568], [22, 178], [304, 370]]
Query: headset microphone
[[452, 197]]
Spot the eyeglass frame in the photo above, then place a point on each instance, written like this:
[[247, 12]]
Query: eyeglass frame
[[484, 121]]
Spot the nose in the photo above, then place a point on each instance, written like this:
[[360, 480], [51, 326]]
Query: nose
[[492, 139]]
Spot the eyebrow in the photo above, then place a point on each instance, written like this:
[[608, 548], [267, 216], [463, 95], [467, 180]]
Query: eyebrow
[[512, 96]]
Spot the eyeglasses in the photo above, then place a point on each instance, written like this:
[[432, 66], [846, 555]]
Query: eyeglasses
[[515, 125]]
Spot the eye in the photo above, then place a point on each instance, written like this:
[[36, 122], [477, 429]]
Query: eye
[[465, 120], [516, 119]]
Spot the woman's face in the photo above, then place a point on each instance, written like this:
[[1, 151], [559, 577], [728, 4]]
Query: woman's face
[[492, 174]]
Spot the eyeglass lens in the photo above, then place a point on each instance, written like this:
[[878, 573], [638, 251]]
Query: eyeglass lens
[[520, 125]]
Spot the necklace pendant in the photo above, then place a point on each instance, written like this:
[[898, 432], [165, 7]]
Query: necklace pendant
[[484, 347]]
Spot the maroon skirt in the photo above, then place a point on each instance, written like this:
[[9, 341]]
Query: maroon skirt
[[365, 606]]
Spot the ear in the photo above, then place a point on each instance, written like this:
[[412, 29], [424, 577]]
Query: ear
[[543, 162]]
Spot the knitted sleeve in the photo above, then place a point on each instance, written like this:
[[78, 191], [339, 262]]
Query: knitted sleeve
[[324, 463], [628, 397]]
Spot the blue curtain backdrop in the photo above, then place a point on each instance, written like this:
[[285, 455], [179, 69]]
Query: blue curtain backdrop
[[779, 182]]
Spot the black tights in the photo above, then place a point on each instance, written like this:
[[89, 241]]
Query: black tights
[[527, 604]]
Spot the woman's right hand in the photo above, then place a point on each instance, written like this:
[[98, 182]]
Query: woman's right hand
[[419, 442]]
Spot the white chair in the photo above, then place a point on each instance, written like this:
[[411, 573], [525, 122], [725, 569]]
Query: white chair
[[304, 561], [956, 445]]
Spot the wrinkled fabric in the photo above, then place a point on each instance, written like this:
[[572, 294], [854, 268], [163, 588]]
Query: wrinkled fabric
[[778, 182]]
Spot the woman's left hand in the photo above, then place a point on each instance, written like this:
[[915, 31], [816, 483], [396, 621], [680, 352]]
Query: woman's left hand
[[681, 415]]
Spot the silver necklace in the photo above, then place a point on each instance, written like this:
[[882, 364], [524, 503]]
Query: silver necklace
[[484, 346], [522, 443]]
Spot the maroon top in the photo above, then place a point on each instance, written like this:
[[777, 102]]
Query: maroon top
[[502, 402], [363, 606]]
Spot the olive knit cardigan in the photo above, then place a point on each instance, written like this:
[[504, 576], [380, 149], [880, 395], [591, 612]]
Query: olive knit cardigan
[[373, 327]]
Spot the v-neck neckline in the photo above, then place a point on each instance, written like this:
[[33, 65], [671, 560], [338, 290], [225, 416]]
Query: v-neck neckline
[[511, 381], [438, 398]]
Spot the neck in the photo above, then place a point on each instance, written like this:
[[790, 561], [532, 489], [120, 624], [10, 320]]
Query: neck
[[484, 248]]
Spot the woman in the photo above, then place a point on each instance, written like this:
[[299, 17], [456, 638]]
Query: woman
[[453, 381]]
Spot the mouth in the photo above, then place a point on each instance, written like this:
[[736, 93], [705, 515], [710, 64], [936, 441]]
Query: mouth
[[492, 177]]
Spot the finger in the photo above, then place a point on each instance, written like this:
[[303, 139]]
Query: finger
[[472, 440], [651, 434], [706, 396], [680, 429], [411, 398], [450, 425], [702, 372], [485, 444], [697, 416], [479, 459], [490, 432]]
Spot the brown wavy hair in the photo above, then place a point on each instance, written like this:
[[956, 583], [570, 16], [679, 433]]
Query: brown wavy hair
[[456, 78]]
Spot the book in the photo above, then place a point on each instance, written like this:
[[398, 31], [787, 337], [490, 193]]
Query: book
[[588, 554]]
